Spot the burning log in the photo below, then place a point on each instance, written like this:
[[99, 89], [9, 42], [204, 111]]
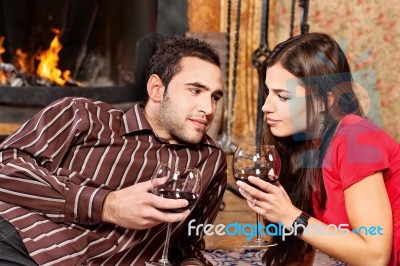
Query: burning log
[[12, 76], [15, 78]]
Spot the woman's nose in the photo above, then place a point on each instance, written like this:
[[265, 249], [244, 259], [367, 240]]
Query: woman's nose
[[268, 105]]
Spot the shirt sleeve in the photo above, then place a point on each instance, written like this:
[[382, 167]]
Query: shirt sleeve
[[186, 250], [358, 150], [30, 172]]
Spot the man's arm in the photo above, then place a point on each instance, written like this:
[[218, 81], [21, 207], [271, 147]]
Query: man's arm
[[135, 207], [30, 172]]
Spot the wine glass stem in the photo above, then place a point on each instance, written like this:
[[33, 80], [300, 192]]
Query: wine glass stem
[[257, 228], [164, 258]]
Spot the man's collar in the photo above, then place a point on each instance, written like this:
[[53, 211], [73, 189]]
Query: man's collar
[[134, 121]]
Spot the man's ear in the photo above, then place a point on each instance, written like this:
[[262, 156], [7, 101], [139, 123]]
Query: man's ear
[[155, 88]]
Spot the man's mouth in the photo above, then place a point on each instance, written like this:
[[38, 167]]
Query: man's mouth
[[200, 123]]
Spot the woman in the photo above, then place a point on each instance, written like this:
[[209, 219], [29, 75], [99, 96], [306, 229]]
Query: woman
[[339, 171]]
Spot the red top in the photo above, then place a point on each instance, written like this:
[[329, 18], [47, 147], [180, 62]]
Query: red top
[[360, 149]]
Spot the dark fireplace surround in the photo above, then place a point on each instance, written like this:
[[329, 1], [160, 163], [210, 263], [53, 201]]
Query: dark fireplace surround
[[106, 45]]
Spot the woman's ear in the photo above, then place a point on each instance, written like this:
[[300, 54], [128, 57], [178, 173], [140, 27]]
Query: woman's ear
[[331, 99], [155, 88]]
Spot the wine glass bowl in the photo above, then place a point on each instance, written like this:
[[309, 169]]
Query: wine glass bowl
[[180, 183], [175, 182], [261, 161]]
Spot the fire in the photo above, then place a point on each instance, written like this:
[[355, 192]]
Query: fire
[[46, 61], [47, 67], [22, 59], [3, 78]]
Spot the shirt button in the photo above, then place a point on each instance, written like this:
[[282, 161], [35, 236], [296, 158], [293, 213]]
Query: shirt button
[[116, 242], [76, 218]]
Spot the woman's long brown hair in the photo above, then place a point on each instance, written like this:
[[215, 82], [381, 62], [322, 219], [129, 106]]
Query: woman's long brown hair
[[321, 66]]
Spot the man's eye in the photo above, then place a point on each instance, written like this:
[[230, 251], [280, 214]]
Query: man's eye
[[195, 91], [215, 98]]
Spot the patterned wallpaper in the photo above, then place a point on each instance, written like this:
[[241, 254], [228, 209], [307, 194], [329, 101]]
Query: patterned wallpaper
[[368, 31]]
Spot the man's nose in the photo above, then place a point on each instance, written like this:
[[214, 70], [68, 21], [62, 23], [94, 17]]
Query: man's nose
[[206, 106]]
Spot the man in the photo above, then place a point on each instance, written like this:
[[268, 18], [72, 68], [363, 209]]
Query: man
[[74, 179]]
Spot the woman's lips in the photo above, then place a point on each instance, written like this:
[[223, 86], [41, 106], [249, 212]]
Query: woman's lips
[[272, 122]]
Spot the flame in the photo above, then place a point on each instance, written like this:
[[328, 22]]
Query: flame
[[2, 50], [3, 78], [47, 63], [47, 67], [22, 59]]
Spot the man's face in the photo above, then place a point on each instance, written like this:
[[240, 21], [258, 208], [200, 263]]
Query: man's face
[[188, 107]]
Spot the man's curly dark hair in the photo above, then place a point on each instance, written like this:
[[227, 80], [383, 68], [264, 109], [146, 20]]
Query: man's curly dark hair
[[166, 60]]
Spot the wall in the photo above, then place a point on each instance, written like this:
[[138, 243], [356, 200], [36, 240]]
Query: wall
[[367, 30]]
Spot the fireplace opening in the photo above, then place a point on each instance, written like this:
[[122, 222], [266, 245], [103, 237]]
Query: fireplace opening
[[105, 47]]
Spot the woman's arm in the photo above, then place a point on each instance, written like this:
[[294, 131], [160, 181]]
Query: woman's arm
[[367, 204]]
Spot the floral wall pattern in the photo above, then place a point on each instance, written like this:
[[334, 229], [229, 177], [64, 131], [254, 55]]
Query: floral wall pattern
[[368, 31]]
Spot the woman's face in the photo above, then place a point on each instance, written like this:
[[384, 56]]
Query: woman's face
[[285, 106]]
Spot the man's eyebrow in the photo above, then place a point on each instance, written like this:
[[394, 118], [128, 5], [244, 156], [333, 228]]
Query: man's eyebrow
[[199, 85]]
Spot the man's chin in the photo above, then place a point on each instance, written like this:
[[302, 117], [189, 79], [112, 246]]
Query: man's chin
[[194, 139]]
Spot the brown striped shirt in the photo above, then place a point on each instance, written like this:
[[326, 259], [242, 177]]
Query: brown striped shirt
[[57, 169]]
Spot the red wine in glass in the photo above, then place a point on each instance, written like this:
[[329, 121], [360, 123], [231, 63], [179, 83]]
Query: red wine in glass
[[189, 196], [175, 182], [261, 161], [271, 178]]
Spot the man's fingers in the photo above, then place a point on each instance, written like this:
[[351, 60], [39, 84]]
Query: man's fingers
[[166, 216], [159, 181], [168, 204], [151, 184]]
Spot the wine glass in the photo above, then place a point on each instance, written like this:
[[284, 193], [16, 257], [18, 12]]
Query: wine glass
[[261, 161], [175, 182]]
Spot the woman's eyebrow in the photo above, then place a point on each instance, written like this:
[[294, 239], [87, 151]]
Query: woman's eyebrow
[[280, 90]]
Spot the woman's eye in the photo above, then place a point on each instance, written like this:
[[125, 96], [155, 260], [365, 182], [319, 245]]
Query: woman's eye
[[282, 98]]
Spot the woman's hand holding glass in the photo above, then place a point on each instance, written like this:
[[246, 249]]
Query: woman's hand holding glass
[[272, 201], [264, 194], [255, 162]]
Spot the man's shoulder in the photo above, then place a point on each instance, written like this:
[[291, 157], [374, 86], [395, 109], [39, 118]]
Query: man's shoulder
[[207, 140], [210, 142], [89, 104]]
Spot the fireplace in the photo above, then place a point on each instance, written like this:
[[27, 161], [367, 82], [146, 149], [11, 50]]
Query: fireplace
[[106, 46]]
